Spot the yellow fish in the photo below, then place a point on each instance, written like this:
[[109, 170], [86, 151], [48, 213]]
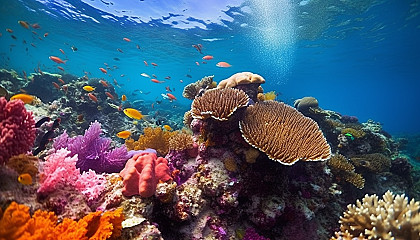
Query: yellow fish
[[88, 88], [25, 179], [133, 113], [123, 98], [124, 134], [270, 96], [26, 98], [135, 122], [167, 127]]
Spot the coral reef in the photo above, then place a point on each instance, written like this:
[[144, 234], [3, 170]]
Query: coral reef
[[194, 89], [155, 138], [392, 217], [17, 132], [375, 162], [342, 168], [24, 163], [305, 104]]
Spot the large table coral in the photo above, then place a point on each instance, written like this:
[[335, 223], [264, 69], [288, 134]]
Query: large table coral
[[17, 132]]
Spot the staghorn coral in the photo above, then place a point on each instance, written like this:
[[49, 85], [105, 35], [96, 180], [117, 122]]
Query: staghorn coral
[[357, 133], [16, 223], [241, 78], [375, 162], [392, 217], [283, 133], [154, 138], [219, 103], [193, 89], [17, 129], [181, 141], [341, 167], [23, 163]]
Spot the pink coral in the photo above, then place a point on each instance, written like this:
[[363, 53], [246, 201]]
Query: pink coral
[[59, 170], [17, 132], [142, 173]]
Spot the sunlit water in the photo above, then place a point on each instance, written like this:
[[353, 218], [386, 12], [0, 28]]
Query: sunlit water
[[357, 57]]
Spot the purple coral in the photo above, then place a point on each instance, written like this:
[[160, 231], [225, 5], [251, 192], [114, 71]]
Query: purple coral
[[93, 151], [251, 234]]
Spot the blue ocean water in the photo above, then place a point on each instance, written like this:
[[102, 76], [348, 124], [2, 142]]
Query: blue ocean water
[[359, 58]]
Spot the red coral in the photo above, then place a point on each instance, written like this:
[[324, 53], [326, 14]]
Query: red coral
[[142, 173], [17, 132]]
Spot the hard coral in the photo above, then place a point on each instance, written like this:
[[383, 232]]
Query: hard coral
[[154, 138], [181, 141], [241, 78], [16, 223], [375, 162], [283, 133], [342, 168], [193, 89], [142, 173], [23, 163], [17, 132], [392, 217]]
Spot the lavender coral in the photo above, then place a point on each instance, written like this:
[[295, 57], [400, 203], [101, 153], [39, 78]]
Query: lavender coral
[[93, 151], [17, 132]]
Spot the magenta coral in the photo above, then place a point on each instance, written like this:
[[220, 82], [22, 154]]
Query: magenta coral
[[142, 173], [17, 132]]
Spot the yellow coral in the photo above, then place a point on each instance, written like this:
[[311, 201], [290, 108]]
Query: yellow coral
[[16, 223], [342, 168], [154, 138]]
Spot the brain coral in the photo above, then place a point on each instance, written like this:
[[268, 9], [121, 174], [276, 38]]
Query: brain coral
[[240, 78], [303, 104], [283, 133], [392, 217], [219, 103], [17, 132]]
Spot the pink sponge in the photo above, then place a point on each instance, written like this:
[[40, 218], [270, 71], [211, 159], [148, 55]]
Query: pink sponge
[[142, 173], [17, 132]]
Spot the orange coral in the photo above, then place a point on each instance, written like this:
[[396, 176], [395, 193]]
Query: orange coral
[[181, 141], [154, 138], [16, 223]]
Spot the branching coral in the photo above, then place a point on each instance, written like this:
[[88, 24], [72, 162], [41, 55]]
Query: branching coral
[[154, 138], [392, 217], [93, 151], [17, 132], [181, 141], [341, 167], [375, 162], [283, 133], [16, 223]]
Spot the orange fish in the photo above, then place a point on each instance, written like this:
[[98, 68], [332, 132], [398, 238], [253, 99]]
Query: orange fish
[[103, 70], [24, 24], [46, 34], [62, 51], [154, 64], [35, 26], [93, 97], [145, 63], [127, 39], [171, 96], [156, 81], [105, 84], [123, 98], [65, 88], [62, 69], [57, 59], [27, 99], [62, 81], [207, 57], [223, 64], [109, 95], [56, 85], [9, 30]]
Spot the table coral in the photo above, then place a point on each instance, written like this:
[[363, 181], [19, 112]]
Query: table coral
[[142, 173], [17, 132]]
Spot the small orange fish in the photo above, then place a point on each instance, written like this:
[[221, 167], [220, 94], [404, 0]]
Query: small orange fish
[[124, 134], [9, 30], [24, 24], [62, 69], [46, 34], [27, 99], [223, 64], [62, 81], [62, 51], [154, 64], [207, 57], [25, 179], [171, 96], [35, 26], [56, 85], [110, 95], [93, 97], [127, 39], [65, 88], [145, 63], [104, 83], [156, 81], [123, 98], [57, 60], [103, 70]]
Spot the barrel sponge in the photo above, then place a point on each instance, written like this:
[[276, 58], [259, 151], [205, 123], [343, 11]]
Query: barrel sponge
[[17, 129], [241, 78], [219, 103], [283, 133]]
